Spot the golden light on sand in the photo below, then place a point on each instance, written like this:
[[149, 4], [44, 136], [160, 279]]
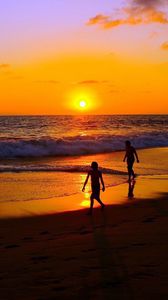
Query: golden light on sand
[[85, 203]]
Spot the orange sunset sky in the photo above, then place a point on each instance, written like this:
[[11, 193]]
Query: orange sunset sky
[[111, 54]]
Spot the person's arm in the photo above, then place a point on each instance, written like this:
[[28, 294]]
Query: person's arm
[[102, 182], [136, 156], [125, 157], [85, 183]]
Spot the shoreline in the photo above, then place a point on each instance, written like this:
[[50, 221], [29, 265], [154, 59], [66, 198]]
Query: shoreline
[[145, 187]]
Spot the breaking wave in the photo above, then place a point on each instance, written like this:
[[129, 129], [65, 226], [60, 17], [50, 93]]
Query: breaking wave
[[78, 145]]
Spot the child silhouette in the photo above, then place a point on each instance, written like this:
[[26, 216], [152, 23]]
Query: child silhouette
[[96, 177]]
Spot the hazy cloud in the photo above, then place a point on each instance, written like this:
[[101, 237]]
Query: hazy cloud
[[47, 81], [153, 35], [114, 91], [145, 92], [135, 13], [88, 82], [164, 46], [150, 3], [98, 19], [92, 82], [16, 77], [4, 66]]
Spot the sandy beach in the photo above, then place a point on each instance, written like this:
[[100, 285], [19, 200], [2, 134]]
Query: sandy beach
[[120, 253]]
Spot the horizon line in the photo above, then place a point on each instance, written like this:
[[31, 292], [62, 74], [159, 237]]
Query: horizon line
[[52, 115]]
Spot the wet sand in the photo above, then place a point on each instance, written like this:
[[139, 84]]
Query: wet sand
[[120, 253]]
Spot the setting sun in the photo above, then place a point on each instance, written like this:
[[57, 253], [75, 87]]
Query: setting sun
[[83, 100], [82, 104]]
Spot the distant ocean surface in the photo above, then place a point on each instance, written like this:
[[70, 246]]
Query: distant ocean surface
[[64, 146]]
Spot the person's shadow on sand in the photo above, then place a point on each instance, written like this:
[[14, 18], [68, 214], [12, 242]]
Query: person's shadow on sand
[[131, 186]]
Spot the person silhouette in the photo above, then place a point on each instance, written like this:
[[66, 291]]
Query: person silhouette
[[130, 156], [96, 177]]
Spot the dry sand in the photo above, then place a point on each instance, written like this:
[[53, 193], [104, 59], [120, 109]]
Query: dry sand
[[120, 253]]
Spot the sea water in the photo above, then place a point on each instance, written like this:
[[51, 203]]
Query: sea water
[[44, 157]]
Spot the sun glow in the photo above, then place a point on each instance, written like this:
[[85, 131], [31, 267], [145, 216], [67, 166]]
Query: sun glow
[[83, 100]]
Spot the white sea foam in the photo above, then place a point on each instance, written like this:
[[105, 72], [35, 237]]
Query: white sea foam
[[66, 169], [23, 148]]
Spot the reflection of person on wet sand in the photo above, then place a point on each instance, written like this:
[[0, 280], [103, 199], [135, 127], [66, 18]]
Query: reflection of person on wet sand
[[130, 156], [131, 185], [96, 177]]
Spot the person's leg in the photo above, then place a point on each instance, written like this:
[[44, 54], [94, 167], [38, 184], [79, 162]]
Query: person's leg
[[100, 202], [97, 197], [91, 204], [132, 171], [129, 171], [133, 174]]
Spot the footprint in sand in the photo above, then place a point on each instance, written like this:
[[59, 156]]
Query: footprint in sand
[[44, 232], [59, 289], [70, 258], [39, 258], [27, 238], [85, 232], [56, 281], [114, 283], [12, 246], [141, 275], [138, 244], [89, 250], [149, 220]]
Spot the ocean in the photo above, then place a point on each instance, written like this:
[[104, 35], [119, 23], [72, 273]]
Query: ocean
[[64, 146]]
